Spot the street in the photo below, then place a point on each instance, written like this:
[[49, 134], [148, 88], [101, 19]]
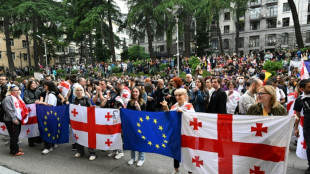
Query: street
[[62, 161]]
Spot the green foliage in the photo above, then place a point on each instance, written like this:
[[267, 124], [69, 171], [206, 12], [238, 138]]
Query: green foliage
[[74, 71], [115, 69], [194, 62], [272, 67], [61, 72], [96, 69], [163, 66], [304, 49], [135, 52], [141, 62], [124, 54]]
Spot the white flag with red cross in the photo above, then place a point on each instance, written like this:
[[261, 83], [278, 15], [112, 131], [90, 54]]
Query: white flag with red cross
[[301, 143], [218, 143], [29, 129], [96, 128]]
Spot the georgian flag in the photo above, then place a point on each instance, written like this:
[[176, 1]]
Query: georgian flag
[[125, 95], [29, 129], [219, 143], [64, 88], [96, 128], [301, 143]]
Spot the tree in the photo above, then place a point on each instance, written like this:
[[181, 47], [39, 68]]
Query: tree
[[136, 51], [296, 24]]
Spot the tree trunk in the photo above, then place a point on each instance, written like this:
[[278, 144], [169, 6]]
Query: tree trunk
[[187, 35], [81, 53], [296, 24], [40, 47], [28, 49], [112, 44], [168, 36], [220, 35], [35, 43], [8, 44], [90, 41], [149, 33], [237, 33]]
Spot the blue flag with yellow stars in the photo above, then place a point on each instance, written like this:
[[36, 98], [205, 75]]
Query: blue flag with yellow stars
[[54, 123], [155, 132]]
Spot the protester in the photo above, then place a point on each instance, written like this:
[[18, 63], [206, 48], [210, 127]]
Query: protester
[[200, 96], [248, 98], [233, 97], [218, 98]]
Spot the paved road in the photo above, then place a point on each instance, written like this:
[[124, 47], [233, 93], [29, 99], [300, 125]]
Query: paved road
[[62, 161]]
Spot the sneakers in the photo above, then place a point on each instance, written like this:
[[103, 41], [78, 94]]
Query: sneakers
[[46, 151], [77, 155], [111, 154], [119, 155], [140, 163], [131, 161], [92, 158], [174, 172]]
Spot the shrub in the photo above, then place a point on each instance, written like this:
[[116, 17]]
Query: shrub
[[74, 71], [163, 66], [61, 72], [115, 69], [193, 62], [273, 67]]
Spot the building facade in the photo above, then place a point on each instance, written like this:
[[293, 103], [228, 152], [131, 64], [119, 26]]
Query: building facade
[[267, 26]]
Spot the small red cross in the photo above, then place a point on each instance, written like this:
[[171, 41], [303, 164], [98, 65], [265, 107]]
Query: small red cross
[[16, 105], [196, 160], [108, 142], [74, 112], [125, 95], [303, 143], [256, 170], [195, 123], [3, 127], [108, 116], [259, 129], [76, 137], [29, 109], [188, 106], [28, 131]]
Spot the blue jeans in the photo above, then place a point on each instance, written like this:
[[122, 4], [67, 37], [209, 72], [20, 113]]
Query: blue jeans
[[141, 155]]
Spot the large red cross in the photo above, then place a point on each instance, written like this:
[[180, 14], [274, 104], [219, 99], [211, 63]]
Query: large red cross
[[256, 170], [259, 129], [196, 160], [108, 116], [227, 148], [3, 127], [28, 131], [304, 145], [195, 123], [108, 142], [125, 95], [74, 112], [92, 128]]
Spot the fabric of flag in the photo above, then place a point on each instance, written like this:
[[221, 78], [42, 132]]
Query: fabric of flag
[[54, 123], [307, 64], [304, 74], [96, 128], [29, 129], [155, 132], [220, 143], [301, 143], [295, 64], [64, 88]]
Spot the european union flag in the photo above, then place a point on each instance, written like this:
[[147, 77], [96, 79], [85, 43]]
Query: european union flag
[[54, 123], [155, 132]]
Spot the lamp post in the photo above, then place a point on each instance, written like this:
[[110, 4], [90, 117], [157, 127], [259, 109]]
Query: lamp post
[[45, 53], [178, 54]]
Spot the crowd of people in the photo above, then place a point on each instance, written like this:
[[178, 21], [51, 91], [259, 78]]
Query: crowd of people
[[231, 89]]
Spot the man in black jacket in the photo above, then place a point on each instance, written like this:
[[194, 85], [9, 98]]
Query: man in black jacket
[[218, 98], [159, 95]]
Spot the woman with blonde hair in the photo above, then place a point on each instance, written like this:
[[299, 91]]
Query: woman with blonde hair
[[267, 103]]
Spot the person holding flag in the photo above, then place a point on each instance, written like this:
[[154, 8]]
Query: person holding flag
[[15, 113]]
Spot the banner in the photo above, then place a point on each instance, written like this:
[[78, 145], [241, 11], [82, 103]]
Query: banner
[[155, 132], [96, 128], [218, 143]]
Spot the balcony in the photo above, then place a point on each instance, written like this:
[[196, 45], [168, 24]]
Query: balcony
[[255, 3], [271, 1]]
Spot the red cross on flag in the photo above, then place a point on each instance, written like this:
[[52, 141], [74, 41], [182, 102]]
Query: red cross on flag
[[226, 144], [29, 129], [96, 128]]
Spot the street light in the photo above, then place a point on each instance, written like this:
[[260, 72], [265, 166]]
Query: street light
[[45, 52], [178, 54]]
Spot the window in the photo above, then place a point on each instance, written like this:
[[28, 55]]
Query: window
[[286, 7], [272, 11], [227, 16], [25, 57], [13, 56], [285, 22], [71, 49], [255, 2], [284, 39], [12, 42], [226, 44], [255, 25], [308, 37], [254, 41], [271, 39], [269, 1], [255, 13], [241, 26], [226, 29], [24, 44], [272, 23], [241, 42], [214, 44], [308, 20]]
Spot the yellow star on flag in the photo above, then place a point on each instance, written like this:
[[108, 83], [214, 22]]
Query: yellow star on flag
[[44, 122], [57, 136], [138, 124], [53, 138], [51, 112], [165, 141], [59, 131], [139, 131], [157, 146], [46, 129], [164, 146], [45, 117], [49, 135], [149, 143], [55, 113], [48, 113], [143, 137], [160, 128], [141, 119], [57, 118], [155, 121], [147, 118], [164, 136], [59, 124]]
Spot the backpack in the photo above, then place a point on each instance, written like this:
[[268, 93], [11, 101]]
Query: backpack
[[59, 103], [2, 112]]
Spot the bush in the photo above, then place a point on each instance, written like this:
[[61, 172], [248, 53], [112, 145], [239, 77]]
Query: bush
[[273, 67], [163, 66], [74, 71], [135, 52], [61, 72], [115, 69], [193, 62]]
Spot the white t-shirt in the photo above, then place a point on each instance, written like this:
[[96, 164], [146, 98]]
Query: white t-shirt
[[51, 99], [280, 94], [232, 101]]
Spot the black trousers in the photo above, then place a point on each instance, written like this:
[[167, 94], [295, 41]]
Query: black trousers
[[14, 131], [307, 140], [176, 163], [80, 149], [48, 145]]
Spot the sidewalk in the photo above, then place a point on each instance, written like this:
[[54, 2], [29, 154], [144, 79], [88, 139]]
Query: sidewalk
[[295, 164]]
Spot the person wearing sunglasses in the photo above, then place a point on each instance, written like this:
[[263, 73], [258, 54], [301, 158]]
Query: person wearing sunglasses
[[267, 104]]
